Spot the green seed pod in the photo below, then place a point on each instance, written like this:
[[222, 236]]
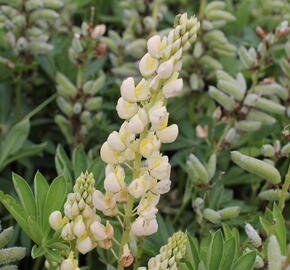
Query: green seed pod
[[224, 100], [268, 150], [43, 14], [210, 62], [215, 5], [285, 66], [215, 35], [218, 24], [257, 167], [272, 195], [211, 165], [199, 168], [54, 4], [65, 87], [98, 84], [222, 75], [264, 104], [136, 48], [225, 48], [194, 81], [5, 236], [231, 88], [230, 212], [88, 86], [94, 103], [19, 20], [198, 50], [247, 60], [286, 149], [40, 47], [269, 161], [65, 106], [34, 31], [262, 117], [271, 89], [220, 15], [12, 254], [248, 125], [212, 216], [85, 116]]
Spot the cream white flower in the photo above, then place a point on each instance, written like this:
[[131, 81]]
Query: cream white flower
[[79, 227], [114, 180], [158, 117], [142, 90], [144, 227], [107, 154], [67, 232], [159, 166], [98, 231], [84, 245], [165, 69], [172, 88], [154, 46], [126, 135], [55, 220], [68, 210], [148, 65], [138, 187], [138, 121], [155, 83], [162, 187], [103, 202], [149, 144], [168, 134], [128, 90], [70, 263], [115, 142], [126, 109]]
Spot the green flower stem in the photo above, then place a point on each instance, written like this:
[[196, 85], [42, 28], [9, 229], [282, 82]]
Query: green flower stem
[[285, 188], [139, 252], [155, 10], [18, 90], [202, 8], [41, 106]]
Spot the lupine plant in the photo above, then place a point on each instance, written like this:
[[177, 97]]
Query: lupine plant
[[158, 147]]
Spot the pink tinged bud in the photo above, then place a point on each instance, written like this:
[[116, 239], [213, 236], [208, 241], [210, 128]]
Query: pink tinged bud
[[98, 231], [168, 134], [148, 65], [126, 109], [115, 142], [154, 46], [98, 31], [201, 132], [165, 69], [84, 245], [107, 154], [79, 228], [55, 220], [128, 90], [111, 183], [173, 88]]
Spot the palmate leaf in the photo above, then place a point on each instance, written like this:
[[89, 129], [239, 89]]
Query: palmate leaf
[[216, 251]]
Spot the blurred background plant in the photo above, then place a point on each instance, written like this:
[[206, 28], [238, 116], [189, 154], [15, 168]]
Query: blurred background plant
[[62, 63]]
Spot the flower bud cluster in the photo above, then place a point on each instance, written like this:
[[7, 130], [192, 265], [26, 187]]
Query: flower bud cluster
[[81, 107], [138, 23], [211, 44], [170, 254], [215, 217], [252, 108], [28, 23], [81, 224], [86, 44], [138, 142]]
